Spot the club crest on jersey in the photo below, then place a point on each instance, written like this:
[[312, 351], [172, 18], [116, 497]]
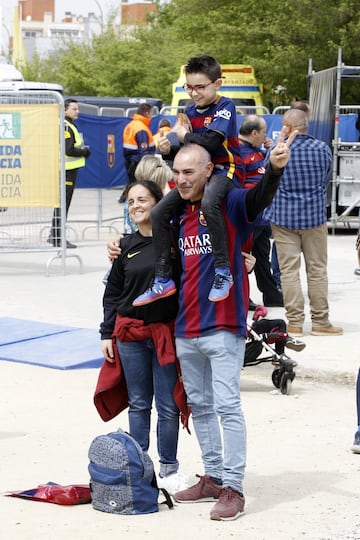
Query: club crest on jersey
[[110, 150], [207, 121], [144, 145], [202, 219]]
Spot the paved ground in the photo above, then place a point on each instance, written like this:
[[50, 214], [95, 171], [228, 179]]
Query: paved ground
[[302, 481]]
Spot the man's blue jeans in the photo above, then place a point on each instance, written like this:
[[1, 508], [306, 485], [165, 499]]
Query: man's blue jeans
[[145, 379], [211, 367]]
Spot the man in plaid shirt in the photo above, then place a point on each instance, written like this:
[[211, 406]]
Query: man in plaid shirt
[[298, 221]]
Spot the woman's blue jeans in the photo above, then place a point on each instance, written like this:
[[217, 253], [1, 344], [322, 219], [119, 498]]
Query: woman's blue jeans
[[146, 379], [211, 367]]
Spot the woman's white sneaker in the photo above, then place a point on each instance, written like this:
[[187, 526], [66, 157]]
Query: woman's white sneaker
[[173, 483]]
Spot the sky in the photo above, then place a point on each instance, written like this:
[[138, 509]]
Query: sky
[[76, 7], [83, 7]]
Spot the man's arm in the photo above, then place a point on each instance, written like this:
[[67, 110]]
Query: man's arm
[[261, 195]]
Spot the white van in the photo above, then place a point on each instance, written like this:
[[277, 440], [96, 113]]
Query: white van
[[16, 86], [8, 72]]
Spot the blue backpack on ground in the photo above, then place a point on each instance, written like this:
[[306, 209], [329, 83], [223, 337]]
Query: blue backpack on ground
[[122, 477]]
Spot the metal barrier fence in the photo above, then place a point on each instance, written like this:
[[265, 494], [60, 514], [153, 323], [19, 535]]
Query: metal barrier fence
[[32, 176]]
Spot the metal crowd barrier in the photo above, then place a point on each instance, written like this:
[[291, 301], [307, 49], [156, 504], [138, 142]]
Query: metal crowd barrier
[[32, 173]]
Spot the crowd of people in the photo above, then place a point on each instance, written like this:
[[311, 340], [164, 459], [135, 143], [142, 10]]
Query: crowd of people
[[181, 274]]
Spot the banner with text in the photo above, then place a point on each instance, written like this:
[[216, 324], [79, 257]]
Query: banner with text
[[29, 155]]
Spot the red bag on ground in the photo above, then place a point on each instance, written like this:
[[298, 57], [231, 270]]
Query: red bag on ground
[[57, 494]]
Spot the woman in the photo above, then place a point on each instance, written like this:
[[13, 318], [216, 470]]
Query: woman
[[144, 337], [150, 167]]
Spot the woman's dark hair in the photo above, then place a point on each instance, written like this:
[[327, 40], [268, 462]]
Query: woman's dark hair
[[153, 188]]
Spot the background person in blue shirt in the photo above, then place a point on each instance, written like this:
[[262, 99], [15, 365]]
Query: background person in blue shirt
[[298, 222]]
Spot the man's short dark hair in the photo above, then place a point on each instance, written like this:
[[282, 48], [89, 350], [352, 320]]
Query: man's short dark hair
[[204, 64], [164, 122], [248, 125], [144, 109], [68, 101]]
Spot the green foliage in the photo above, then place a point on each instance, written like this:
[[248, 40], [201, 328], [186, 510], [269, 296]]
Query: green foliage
[[277, 38]]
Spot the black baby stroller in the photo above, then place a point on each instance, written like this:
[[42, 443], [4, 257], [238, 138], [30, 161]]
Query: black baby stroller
[[262, 334]]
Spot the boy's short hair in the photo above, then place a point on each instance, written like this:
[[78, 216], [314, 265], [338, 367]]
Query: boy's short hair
[[204, 64]]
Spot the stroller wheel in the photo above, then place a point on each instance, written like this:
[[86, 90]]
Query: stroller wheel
[[285, 384], [276, 378]]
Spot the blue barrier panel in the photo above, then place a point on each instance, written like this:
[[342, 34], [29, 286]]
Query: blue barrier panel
[[347, 129], [105, 168]]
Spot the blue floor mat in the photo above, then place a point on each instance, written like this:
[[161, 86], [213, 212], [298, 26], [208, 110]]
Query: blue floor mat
[[32, 342], [13, 330]]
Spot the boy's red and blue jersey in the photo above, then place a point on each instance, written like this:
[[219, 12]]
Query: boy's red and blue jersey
[[220, 116], [197, 315]]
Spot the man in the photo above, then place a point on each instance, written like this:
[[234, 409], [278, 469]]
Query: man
[[298, 222], [138, 140], [252, 137], [210, 337], [75, 156]]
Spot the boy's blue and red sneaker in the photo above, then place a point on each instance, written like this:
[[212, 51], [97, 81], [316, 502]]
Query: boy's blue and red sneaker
[[159, 289], [221, 287]]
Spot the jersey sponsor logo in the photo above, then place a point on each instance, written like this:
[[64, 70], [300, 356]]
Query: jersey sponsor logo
[[131, 255], [224, 113], [195, 244]]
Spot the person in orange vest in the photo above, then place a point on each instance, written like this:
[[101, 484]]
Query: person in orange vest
[[138, 139]]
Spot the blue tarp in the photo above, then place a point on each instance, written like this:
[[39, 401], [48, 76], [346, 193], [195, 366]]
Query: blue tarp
[[49, 345]]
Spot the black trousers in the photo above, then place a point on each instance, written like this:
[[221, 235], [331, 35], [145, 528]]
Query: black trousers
[[70, 181], [263, 274]]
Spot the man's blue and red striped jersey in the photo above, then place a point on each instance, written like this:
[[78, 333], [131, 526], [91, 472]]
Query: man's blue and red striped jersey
[[253, 161], [220, 116], [197, 315]]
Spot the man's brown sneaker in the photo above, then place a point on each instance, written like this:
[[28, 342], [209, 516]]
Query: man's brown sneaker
[[230, 505], [204, 491]]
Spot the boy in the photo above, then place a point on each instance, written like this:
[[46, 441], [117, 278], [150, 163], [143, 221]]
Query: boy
[[213, 126]]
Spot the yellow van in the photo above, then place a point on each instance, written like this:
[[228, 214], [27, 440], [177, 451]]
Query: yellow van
[[239, 84]]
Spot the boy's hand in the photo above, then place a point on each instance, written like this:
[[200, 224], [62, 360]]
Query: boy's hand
[[164, 145], [182, 126]]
